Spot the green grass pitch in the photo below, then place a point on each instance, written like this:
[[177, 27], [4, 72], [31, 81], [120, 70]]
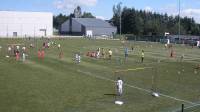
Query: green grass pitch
[[61, 85]]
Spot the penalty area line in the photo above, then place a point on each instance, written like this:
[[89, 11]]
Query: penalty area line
[[132, 69], [135, 87]]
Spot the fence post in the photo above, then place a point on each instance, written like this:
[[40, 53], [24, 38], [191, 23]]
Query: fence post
[[182, 108]]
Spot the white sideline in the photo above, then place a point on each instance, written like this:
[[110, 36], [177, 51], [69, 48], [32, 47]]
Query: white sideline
[[179, 110], [192, 106], [131, 86]]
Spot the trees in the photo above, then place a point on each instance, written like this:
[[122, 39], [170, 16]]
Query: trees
[[116, 16], [58, 20], [139, 22], [127, 17], [87, 15], [77, 12]]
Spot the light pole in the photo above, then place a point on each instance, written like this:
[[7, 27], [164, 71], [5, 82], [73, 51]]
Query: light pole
[[7, 30], [179, 24], [120, 21]]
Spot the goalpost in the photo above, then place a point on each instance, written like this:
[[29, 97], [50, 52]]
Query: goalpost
[[154, 78]]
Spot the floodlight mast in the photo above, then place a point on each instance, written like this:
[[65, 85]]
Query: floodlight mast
[[179, 17], [120, 27]]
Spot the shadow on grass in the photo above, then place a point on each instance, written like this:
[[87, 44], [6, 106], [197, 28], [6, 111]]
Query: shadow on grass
[[110, 94]]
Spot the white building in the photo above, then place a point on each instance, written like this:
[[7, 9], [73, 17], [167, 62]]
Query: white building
[[25, 24]]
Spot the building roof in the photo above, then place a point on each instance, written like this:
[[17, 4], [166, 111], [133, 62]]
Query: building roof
[[93, 22]]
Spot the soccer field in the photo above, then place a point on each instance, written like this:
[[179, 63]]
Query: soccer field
[[61, 85]]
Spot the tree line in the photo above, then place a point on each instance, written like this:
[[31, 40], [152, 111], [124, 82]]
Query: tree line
[[141, 22], [58, 20]]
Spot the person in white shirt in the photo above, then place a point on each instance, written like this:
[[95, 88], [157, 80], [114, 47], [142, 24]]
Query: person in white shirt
[[168, 41], [23, 57], [17, 47], [59, 46], [119, 85], [98, 53], [79, 58], [76, 57], [198, 43], [24, 49], [31, 45], [9, 51], [110, 54], [48, 44], [9, 48]]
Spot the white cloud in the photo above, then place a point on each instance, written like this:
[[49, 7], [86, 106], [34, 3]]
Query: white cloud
[[69, 5], [192, 13], [148, 9], [172, 9]]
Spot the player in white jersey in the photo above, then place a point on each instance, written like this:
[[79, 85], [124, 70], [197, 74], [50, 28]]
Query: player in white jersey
[[9, 48], [79, 58], [17, 47], [23, 57], [119, 84], [9, 51], [59, 46], [24, 48], [48, 44], [98, 53]]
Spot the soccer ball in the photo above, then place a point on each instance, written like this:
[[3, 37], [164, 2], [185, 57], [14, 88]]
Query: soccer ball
[[155, 94], [119, 102]]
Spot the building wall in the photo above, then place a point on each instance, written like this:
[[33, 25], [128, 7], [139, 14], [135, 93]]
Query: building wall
[[25, 24], [65, 26], [102, 31], [76, 27], [79, 29]]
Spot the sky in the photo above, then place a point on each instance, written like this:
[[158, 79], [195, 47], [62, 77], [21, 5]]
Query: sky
[[103, 8]]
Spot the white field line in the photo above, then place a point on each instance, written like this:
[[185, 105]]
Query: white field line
[[135, 87], [179, 110], [192, 106], [187, 58], [191, 59], [163, 54]]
